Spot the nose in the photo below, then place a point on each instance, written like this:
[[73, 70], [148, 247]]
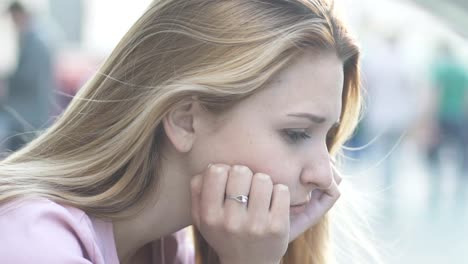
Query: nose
[[317, 171]]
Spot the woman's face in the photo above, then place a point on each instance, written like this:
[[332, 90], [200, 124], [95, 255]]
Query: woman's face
[[281, 130]]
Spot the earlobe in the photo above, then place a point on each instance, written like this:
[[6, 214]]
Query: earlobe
[[179, 127]]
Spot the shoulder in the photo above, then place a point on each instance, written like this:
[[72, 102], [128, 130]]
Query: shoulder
[[44, 231]]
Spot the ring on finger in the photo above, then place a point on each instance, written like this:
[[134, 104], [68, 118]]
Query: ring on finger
[[243, 199]]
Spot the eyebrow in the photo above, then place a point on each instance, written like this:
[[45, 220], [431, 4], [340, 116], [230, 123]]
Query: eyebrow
[[314, 118]]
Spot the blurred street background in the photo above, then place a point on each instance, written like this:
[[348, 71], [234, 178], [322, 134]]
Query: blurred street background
[[411, 148]]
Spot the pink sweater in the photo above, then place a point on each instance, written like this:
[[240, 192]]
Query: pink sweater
[[42, 231]]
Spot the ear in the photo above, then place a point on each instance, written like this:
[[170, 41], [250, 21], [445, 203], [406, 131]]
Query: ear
[[179, 126]]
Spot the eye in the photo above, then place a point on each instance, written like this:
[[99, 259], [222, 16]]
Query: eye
[[295, 136]]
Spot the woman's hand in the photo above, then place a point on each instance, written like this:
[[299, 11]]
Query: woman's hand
[[241, 233], [320, 202]]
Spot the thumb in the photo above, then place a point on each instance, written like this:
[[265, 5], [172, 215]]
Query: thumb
[[196, 187]]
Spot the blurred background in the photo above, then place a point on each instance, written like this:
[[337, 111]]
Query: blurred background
[[410, 151]]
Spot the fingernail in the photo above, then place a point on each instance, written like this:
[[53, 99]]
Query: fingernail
[[263, 177]]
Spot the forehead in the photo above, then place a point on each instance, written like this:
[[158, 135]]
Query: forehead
[[313, 82]]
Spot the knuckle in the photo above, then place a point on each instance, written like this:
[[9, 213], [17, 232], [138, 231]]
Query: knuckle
[[195, 182], [282, 189], [257, 230], [193, 186], [232, 228], [277, 228], [218, 169], [265, 178], [241, 169], [209, 218]]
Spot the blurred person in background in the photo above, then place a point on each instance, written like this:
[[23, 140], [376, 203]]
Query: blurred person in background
[[30, 88], [389, 111], [450, 81]]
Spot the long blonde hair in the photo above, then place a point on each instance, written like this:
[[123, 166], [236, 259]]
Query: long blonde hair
[[101, 155]]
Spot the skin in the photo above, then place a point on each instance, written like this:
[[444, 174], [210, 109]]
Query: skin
[[271, 146]]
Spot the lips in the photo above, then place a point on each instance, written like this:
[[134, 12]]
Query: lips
[[299, 204], [297, 208]]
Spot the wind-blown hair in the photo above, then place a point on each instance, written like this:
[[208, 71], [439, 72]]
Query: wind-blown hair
[[102, 154]]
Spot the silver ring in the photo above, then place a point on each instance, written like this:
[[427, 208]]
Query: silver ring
[[243, 199]]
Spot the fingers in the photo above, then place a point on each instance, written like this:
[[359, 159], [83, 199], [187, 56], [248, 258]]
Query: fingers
[[196, 188], [258, 229], [332, 194], [321, 201], [332, 190], [238, 183], [260, 197], [212, 191], [280, 202]]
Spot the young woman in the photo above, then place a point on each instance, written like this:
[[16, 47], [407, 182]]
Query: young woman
[[222, 114]]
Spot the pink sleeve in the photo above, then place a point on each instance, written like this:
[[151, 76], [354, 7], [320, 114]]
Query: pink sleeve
[[186, 251], [177, 248], [39, 231]]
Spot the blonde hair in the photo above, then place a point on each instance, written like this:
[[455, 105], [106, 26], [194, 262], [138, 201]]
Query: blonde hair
[[101, 154]]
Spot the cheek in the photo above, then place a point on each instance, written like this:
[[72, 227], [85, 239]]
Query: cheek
[[279, 169], [262, 153], [261, 149]]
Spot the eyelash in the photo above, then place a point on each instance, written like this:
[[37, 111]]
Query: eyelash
[[296, 136]]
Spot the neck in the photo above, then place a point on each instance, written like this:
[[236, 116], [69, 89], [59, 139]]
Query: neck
[[168, 212], [133, 234]]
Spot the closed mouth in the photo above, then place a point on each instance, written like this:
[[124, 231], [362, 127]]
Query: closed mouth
[[299, 204]]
